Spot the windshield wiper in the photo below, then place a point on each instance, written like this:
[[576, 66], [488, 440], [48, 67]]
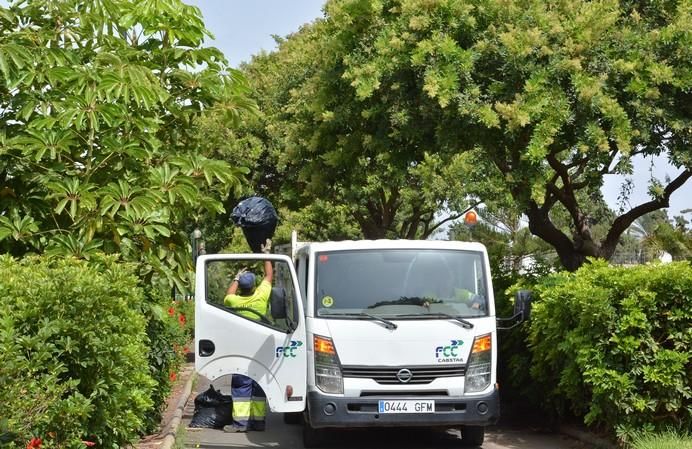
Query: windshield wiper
[[388, 324], [465, 323]]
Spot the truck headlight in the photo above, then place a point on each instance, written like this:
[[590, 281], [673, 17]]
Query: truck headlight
[[328, 376], [479, 366]]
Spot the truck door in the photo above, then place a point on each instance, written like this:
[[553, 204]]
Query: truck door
[[268, 347]]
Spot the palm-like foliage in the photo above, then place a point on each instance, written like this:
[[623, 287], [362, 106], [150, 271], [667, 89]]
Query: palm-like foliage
[[122, 195], [17, 228], [655, 235], [74, 246], [174, 188], [71, 195], [97, 148]]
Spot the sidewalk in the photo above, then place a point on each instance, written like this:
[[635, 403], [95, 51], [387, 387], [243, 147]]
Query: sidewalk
[[164, 438]]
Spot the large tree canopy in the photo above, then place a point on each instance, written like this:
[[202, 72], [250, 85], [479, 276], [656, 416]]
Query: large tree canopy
[[400, 108], [376, 156], [553, 95], [98, 105]]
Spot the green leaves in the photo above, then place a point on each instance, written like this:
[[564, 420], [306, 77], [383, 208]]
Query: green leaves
[[72, 341], [13, 57], [73, 195], [17, 228], [69, 245], [98, 119], [632, 365], [173, 187], [552, 95], [51, 142], [115, 197]]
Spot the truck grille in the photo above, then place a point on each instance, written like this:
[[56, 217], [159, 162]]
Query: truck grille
[[387, 375]]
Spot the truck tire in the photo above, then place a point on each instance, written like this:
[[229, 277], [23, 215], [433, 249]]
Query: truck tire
[[472, 436], [312, 438], [293, 418]]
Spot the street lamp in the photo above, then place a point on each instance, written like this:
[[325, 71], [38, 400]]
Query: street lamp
[[197, 245]]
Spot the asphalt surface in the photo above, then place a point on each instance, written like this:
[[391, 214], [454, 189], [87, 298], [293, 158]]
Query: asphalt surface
[[282, 436]]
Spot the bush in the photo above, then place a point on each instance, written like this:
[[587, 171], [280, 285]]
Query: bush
[[169, 330], [521, 397], [73, 353], [613, 345]]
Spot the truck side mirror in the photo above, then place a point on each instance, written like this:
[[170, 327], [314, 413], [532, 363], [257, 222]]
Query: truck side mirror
[[522, 304], [277, 303], [280, 308]]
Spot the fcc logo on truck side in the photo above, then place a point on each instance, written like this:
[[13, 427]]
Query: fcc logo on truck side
[[290, 350], [449, 353]]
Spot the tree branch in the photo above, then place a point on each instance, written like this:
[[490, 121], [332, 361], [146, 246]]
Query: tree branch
[[446, 220], [624, 221], [567, 197], [452, 217], [541, 226]]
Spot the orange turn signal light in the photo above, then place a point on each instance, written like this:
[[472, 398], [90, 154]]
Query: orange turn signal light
[[324, 345], [482, 343]]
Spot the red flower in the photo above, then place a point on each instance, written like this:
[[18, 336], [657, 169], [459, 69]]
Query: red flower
[[35, 443], [181, 319], [173, 376], [186, 349], [171, 311], [89, 443]]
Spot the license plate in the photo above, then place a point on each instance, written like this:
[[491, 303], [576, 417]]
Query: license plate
[[406, 406]]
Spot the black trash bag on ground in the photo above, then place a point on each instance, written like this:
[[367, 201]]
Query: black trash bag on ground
[[257, 218], [213, 410]]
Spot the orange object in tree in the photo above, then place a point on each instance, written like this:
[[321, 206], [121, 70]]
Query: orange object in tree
[[471, 218]]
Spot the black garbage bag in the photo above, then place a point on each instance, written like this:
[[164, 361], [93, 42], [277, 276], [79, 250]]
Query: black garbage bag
[[212, 409], [257, 218]]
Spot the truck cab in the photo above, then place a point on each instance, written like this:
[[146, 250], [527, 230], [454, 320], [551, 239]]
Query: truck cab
[[362, 334]]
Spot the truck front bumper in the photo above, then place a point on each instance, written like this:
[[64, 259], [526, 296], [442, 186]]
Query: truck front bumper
[[330, 411]]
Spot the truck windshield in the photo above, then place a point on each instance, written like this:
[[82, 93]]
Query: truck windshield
[[401, 283]]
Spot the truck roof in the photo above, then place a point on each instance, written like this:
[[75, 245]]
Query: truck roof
[[346, 245]]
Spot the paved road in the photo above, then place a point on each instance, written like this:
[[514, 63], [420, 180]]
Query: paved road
[[282, 436]]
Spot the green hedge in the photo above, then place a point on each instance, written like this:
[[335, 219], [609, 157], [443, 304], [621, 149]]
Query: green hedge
[[169, 330], [73, 353], [613, 345]]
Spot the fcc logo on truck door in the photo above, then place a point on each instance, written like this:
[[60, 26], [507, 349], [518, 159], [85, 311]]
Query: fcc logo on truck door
[[290, 350]]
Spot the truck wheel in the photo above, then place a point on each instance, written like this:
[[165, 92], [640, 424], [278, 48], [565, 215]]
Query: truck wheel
[[293, 418], [312, 438], [472, 436]]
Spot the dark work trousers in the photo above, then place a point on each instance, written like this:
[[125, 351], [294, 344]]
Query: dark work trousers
[[249, 403]]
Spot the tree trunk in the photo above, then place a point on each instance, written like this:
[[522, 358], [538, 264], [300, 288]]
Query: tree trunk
[[571, 260]]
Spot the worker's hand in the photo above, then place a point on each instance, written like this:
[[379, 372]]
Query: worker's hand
[[239, 273], [267, 247]]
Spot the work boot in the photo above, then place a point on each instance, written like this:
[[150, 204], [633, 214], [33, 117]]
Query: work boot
[[230, 428]]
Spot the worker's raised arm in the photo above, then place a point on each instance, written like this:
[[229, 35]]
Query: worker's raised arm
[[268, 269]]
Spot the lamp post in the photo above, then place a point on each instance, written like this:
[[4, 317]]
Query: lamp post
[[197, 245]]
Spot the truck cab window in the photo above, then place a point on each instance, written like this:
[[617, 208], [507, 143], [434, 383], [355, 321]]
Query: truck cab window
[[401, 281], [244, 288]]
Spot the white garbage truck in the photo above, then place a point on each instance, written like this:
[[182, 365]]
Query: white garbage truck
[[368, 333]]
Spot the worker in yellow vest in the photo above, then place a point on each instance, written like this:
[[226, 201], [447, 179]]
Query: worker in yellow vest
[[249, 401]]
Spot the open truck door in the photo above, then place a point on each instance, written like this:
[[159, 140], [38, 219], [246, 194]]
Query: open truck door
[[271, 348]]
